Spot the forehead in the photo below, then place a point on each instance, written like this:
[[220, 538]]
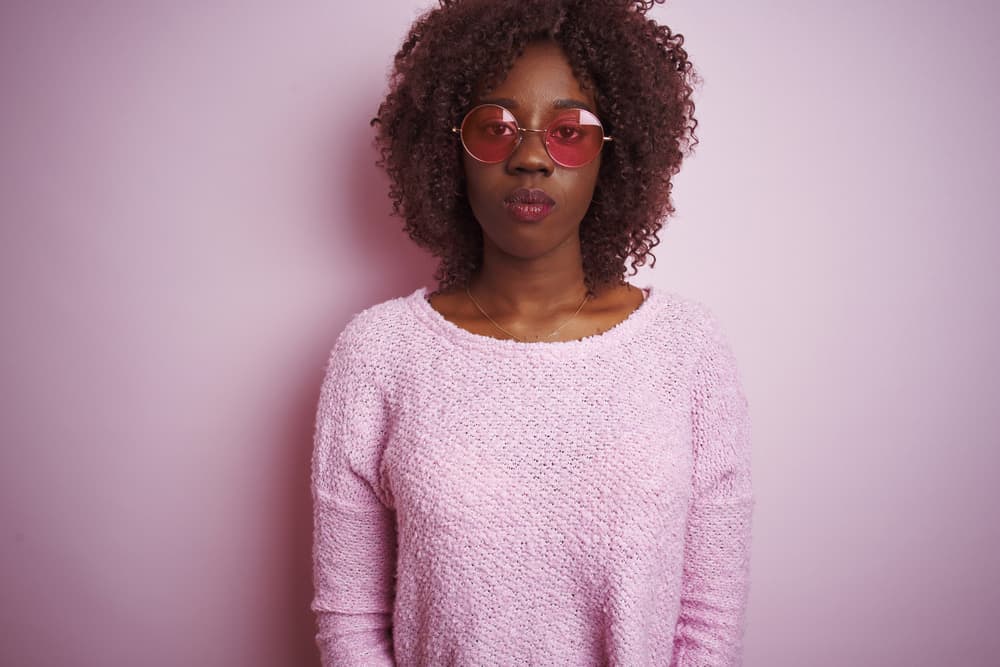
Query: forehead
[[540, 79]]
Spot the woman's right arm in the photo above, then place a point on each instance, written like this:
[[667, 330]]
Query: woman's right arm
[[354, 534]]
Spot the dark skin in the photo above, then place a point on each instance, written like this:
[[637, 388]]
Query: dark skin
[[531, 280]]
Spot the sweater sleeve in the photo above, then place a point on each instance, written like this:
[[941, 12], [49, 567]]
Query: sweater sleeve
[[354, 532], [715, 584]]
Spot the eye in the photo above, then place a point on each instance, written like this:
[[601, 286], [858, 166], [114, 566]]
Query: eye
[[567, 133], [497, 130]]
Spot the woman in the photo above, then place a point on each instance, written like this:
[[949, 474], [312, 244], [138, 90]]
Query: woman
[[537, 463]]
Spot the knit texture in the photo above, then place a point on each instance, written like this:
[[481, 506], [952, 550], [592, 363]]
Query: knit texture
[[486, 501]]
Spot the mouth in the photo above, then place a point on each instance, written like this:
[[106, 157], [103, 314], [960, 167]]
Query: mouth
[[529, 205]]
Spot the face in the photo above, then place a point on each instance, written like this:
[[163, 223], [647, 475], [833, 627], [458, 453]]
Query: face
[[539, 87]]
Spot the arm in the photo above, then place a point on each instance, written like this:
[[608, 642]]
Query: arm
[[715, 584], [354, 538]]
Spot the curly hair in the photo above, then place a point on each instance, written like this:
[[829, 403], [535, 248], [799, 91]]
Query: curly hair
[[642, 82]]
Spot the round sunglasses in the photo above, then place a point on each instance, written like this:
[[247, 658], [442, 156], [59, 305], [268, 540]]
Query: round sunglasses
[[490, 134]]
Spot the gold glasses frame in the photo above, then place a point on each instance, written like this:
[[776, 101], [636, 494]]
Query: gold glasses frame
[[520, 137]]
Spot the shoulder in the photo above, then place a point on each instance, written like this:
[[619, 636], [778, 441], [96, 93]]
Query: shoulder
[[688, 316], [699, 332], [710, 342], [376, 321], [371, 334]]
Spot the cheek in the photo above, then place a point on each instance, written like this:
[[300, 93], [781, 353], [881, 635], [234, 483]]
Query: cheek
[[480, 180], [584, 184]]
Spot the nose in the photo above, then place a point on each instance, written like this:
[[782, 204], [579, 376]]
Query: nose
[[530, 155]]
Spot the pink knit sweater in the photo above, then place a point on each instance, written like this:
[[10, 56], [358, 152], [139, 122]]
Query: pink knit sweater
[[480, 501]]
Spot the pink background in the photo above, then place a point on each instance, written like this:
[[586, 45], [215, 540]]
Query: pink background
[[190, 214]]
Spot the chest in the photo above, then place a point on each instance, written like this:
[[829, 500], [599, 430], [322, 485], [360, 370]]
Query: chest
[[472, 450]]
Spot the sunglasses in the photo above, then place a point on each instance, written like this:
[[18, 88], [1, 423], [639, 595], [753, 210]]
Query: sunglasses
[[490, 134]]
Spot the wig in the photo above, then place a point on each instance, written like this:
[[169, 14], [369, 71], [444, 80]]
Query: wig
[[642, 82]]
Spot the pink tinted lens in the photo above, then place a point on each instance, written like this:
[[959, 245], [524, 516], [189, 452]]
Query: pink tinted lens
[[489, 133], [574, 138]]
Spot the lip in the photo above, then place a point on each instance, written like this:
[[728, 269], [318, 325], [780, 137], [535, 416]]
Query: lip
[[529, 205]]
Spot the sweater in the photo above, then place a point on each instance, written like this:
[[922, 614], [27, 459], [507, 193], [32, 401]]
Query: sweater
[[488, 501]]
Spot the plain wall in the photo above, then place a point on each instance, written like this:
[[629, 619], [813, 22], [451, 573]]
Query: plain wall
[[191, 212]]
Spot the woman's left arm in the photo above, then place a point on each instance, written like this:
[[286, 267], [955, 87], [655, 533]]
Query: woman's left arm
[[716, 578]]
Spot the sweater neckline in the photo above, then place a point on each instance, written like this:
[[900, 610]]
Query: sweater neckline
[[621, 332]]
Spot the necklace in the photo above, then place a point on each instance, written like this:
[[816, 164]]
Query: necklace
[[585, 299]]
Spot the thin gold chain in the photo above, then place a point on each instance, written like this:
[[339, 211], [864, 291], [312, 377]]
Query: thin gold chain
[[585, 299]]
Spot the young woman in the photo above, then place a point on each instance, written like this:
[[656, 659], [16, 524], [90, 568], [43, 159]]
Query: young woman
[[537, 463]]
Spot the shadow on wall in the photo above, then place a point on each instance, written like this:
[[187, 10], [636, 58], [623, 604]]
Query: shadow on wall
[[397, 264]]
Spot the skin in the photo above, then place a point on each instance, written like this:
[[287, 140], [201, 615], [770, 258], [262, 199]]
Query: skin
[[532, 279]]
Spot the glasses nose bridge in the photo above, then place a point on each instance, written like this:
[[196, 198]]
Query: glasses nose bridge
[[522, 131]]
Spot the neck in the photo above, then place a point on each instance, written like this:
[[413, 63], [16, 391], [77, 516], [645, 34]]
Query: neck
[[529, 288]]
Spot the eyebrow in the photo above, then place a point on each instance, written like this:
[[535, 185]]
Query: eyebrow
[[559, 104]]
